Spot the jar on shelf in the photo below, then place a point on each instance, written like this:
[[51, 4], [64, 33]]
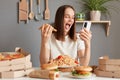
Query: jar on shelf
[[80, 16]]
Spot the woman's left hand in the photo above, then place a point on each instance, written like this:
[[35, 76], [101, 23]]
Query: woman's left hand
[[86, 36]]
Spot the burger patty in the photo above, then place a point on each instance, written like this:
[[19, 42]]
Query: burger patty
[[76, 73]]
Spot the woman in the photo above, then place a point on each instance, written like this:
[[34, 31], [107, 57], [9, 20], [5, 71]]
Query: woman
[[65, 40]]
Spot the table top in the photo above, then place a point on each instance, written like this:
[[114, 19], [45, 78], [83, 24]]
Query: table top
[[65, 76]]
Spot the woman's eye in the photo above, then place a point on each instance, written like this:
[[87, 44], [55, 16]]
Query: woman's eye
[[66, 16]]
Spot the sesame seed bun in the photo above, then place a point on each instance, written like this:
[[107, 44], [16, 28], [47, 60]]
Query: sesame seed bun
[[83, 68], [69, 69]]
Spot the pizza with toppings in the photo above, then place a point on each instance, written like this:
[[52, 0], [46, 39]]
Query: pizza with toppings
[[10, 56]]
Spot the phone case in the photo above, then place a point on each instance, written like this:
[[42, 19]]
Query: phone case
[[87, 25]]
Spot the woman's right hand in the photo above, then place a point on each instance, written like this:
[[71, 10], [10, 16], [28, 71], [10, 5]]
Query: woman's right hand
[[46, 31]]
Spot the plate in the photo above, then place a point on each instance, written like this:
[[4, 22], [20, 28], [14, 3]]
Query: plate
[[82, 77]]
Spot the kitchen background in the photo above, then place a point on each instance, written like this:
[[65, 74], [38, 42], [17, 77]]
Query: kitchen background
[[27, 36]]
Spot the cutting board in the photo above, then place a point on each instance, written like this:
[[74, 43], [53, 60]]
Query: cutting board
[[23, 10]]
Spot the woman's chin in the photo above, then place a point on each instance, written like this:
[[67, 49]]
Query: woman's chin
[[67, 30]]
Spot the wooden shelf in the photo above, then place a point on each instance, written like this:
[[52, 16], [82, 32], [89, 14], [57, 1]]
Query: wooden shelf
[[108, 23]]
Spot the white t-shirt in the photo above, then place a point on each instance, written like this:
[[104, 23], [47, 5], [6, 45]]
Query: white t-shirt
[[67, 47]]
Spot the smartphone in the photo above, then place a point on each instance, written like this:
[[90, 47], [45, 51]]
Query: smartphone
[[87, 25]]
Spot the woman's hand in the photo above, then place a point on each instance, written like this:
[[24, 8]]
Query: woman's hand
[[86, 36], [46, 31]]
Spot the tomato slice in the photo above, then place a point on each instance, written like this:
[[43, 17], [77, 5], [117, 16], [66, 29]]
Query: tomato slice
[[59, 57], [76, 62]]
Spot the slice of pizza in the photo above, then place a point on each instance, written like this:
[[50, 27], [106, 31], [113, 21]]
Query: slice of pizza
[[17, 55], [1, 57], [11, 56]]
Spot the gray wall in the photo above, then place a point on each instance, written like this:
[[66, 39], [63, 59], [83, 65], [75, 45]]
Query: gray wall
[[28, 37]]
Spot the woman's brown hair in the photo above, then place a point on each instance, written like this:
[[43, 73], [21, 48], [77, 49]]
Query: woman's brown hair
[[59, 24]]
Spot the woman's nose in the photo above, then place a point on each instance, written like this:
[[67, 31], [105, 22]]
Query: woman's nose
[[71, 19]]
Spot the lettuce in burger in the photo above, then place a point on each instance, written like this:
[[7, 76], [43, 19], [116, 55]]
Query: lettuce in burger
[[83, 71]]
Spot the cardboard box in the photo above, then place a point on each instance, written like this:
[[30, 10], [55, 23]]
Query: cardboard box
[[103, 73], [23, 60], [117, 74], [16, 64], [4, 68], [15, 74], [12, 74], [16, 67], [21, 66], [106, 60], [111, 74], [4, 63], [109, 67]]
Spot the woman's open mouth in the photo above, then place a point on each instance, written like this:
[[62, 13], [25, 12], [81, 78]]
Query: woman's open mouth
[[67, 27]]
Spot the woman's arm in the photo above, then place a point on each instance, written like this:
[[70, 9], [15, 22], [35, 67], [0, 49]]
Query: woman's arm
[[84, 55], [46, 31], [44, 53]]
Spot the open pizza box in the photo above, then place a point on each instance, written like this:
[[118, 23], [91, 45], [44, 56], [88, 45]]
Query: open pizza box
[[17, 66], [22, 60]]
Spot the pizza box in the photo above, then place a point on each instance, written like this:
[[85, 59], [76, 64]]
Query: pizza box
[[21, 66], [109, 67], [22, 60], [16, 67], [103, 73], [4, 63], [17, 63], [12, 74], [15, 74], [4, 68], [117, 74], [106, 60], [111, 74]]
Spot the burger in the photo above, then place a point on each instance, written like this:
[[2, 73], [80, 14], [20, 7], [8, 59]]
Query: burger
[[82, 71], [66, 69]]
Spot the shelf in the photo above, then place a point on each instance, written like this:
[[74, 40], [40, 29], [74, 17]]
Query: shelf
[[108, 23]]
